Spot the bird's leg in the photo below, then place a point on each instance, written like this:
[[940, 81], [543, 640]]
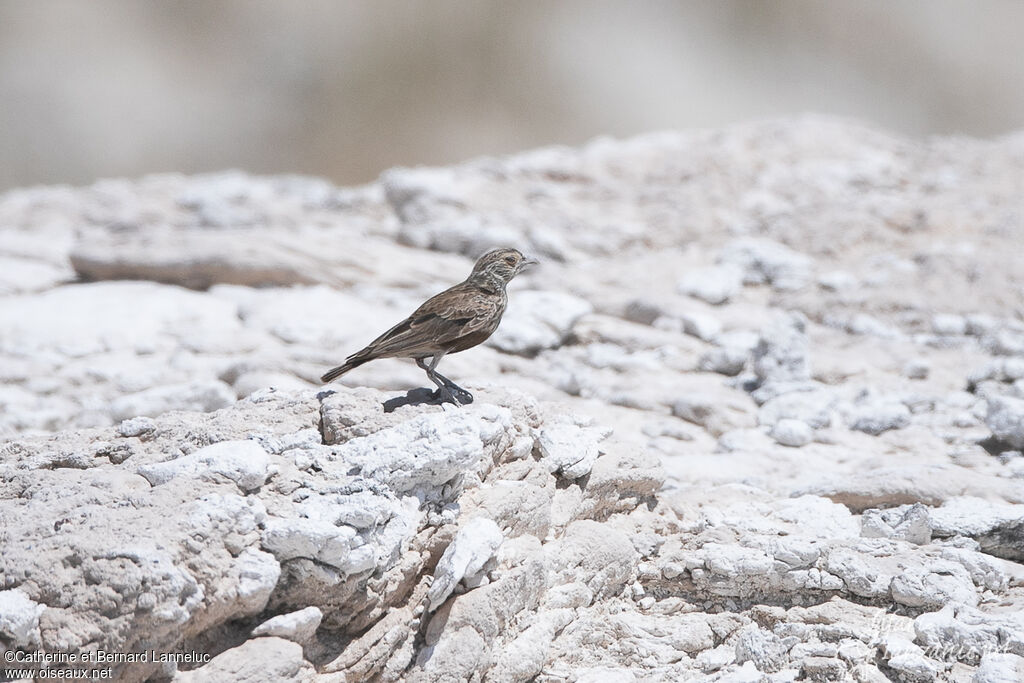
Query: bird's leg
[[443, 392], [447, 390], [462, 395]]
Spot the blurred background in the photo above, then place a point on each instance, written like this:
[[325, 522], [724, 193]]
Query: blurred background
[[346, 89]]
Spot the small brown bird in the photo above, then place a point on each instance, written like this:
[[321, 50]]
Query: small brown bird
[[457, 319]]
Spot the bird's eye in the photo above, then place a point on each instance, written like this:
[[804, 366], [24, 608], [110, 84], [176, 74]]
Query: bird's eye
[[511, 260]]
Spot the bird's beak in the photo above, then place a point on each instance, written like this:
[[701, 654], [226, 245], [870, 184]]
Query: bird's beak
[[530, 262]]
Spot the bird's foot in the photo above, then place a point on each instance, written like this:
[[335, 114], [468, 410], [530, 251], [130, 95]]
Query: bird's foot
[[453, 394], [461, 395], [443, 395]]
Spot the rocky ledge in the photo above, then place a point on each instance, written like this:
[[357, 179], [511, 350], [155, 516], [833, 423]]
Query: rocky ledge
[[758, 417], [319, 537]]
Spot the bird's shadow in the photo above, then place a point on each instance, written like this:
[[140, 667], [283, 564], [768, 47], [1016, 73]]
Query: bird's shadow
[[413, 397]]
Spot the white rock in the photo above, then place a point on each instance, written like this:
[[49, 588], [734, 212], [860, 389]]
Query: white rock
[[538, 320], [428, 450], [298, 626], [195, 396], [568, 595], [19, 618], [726, 360], [868, 673], [984, 570], [793, 433], [880, 416], [258, 573], [813, 649], [195, 259], [998, 369], [1004, 342], [868, 325], [714, 284], [811, 404], [979, 324], [243, 462], [255, 661], [673, 429], [1005, 418], [18, 275], [735, 561], [360, 509], [749, 440], [296, 315], [904, 484], [524, 658], [933, 587], [1000, 667], [973, 516], [764, 649], [251, 382], [738, 339], [948, 324], [598, 555], [569, 449], [604, 674], [716, 658], [717, 412], [749, 673], [781, 354], [474, 546], [613, 356], [917, 368], [598, 575], [817, 516], [642, 311], [703, 326], [136, 426], [860, 578], [821, 668], [907, 523], [765, 261], [896, 644], [82, 319], [314, 539], [914, 667], [997, 526], [326, 523], [837, 281], [852, 650], [966, 633]]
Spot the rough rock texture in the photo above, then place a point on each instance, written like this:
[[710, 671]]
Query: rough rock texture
[[756, 417]]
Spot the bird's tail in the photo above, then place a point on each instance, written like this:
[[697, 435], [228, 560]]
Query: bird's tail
[[335, 373]]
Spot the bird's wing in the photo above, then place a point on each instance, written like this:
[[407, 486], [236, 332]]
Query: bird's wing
[[442, 319]]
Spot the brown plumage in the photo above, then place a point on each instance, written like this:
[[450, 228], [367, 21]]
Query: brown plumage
[[457, 319]]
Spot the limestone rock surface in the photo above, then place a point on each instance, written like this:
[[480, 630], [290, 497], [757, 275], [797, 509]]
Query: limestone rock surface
[[756, 417]]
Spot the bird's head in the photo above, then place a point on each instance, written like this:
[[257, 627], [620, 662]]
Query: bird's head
[[501, 265]]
